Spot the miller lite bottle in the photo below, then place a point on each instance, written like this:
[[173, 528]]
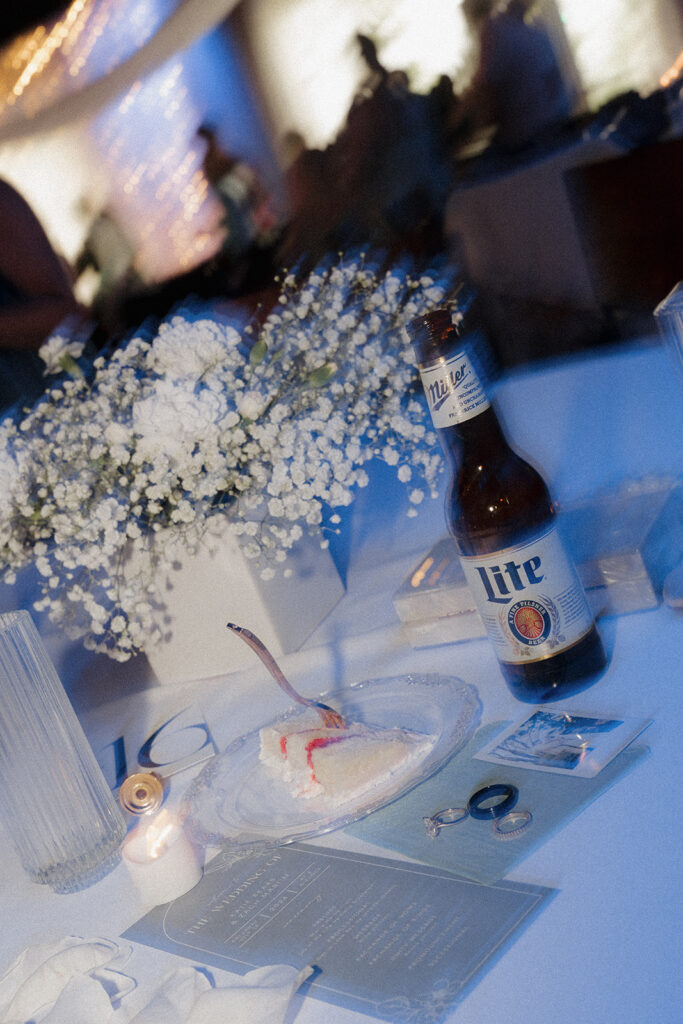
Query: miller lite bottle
[[503, 521]]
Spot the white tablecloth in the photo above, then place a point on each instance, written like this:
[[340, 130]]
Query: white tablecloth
[[607, 948]]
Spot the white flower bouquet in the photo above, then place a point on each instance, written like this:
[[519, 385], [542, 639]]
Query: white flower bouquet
[[271, 425]]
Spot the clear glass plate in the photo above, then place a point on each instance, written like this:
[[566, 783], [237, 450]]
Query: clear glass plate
[[235, 801]]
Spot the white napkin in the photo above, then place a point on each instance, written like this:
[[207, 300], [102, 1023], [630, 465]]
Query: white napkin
[[82, 1001], [76, 981], [174, 998], [37, 978], [260, 997]]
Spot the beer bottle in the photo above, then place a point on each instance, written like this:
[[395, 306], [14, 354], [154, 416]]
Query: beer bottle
[[503, 520]]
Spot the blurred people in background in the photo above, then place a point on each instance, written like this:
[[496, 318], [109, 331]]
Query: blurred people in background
[[313, 200], [110, 254], [385, 178], [250, 219], [244, 263], [35, 296], [519, 93], [377, 73]]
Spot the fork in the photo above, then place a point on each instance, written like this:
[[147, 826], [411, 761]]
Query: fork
[[331, 718]]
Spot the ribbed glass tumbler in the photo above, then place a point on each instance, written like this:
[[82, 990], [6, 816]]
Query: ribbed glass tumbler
[[55, 802]]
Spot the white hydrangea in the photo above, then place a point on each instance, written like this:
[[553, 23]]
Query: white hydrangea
[[174, 418], [211, 344]]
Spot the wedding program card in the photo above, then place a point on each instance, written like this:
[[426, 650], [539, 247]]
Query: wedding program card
[[391, 939]]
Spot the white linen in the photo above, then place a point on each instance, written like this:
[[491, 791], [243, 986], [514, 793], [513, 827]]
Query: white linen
[[261, 997], [82, 1001], [74, 982], [38, 976]]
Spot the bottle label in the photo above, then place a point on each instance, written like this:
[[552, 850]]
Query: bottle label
[[453, 389], [530, 598]]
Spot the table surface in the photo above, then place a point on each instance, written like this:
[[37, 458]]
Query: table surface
[[607, 948]]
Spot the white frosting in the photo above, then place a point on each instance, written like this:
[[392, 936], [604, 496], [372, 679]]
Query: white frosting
[[337, 764]]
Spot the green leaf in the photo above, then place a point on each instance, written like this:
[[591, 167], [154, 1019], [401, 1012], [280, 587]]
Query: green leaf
[[70, 366], [322, 375], [258, 352]]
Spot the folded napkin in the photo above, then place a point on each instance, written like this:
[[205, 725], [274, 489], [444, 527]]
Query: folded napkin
[[77, 981]]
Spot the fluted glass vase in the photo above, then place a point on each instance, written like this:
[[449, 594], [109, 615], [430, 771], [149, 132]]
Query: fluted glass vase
[[55, 802]]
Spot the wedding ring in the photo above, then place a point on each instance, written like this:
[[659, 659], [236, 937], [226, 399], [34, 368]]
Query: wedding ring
[[508, 798], [141, 793], [511, 824], [449, 816]]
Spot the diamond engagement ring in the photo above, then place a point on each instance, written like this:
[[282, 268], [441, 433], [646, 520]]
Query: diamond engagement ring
[[449, 816]]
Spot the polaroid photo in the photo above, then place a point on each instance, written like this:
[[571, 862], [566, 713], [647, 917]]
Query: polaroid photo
[[565, 742]]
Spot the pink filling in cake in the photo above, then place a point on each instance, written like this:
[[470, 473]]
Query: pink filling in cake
[[339, 764]]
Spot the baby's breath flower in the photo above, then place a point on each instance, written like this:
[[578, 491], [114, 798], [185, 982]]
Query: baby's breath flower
[[270, 424], [60, 353]]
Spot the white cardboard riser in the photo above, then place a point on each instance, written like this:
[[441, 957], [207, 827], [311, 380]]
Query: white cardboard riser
[[218, 584]]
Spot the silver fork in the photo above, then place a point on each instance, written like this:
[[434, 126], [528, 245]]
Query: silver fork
[[331, 718]]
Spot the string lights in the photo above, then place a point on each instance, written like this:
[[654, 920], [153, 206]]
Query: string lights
[[145, 141]]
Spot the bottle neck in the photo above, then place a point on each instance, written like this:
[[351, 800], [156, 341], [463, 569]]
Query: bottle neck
[[461, 412], [453, 389], [479, 439]]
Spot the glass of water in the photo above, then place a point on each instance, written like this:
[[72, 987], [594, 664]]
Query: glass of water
[[54, 800]]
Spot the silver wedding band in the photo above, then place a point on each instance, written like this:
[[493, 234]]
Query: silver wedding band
[[512, 824]]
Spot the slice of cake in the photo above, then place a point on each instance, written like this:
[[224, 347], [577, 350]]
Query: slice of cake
[[339, 764]]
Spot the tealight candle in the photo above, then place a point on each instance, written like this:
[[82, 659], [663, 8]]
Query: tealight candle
[[161, 860]]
